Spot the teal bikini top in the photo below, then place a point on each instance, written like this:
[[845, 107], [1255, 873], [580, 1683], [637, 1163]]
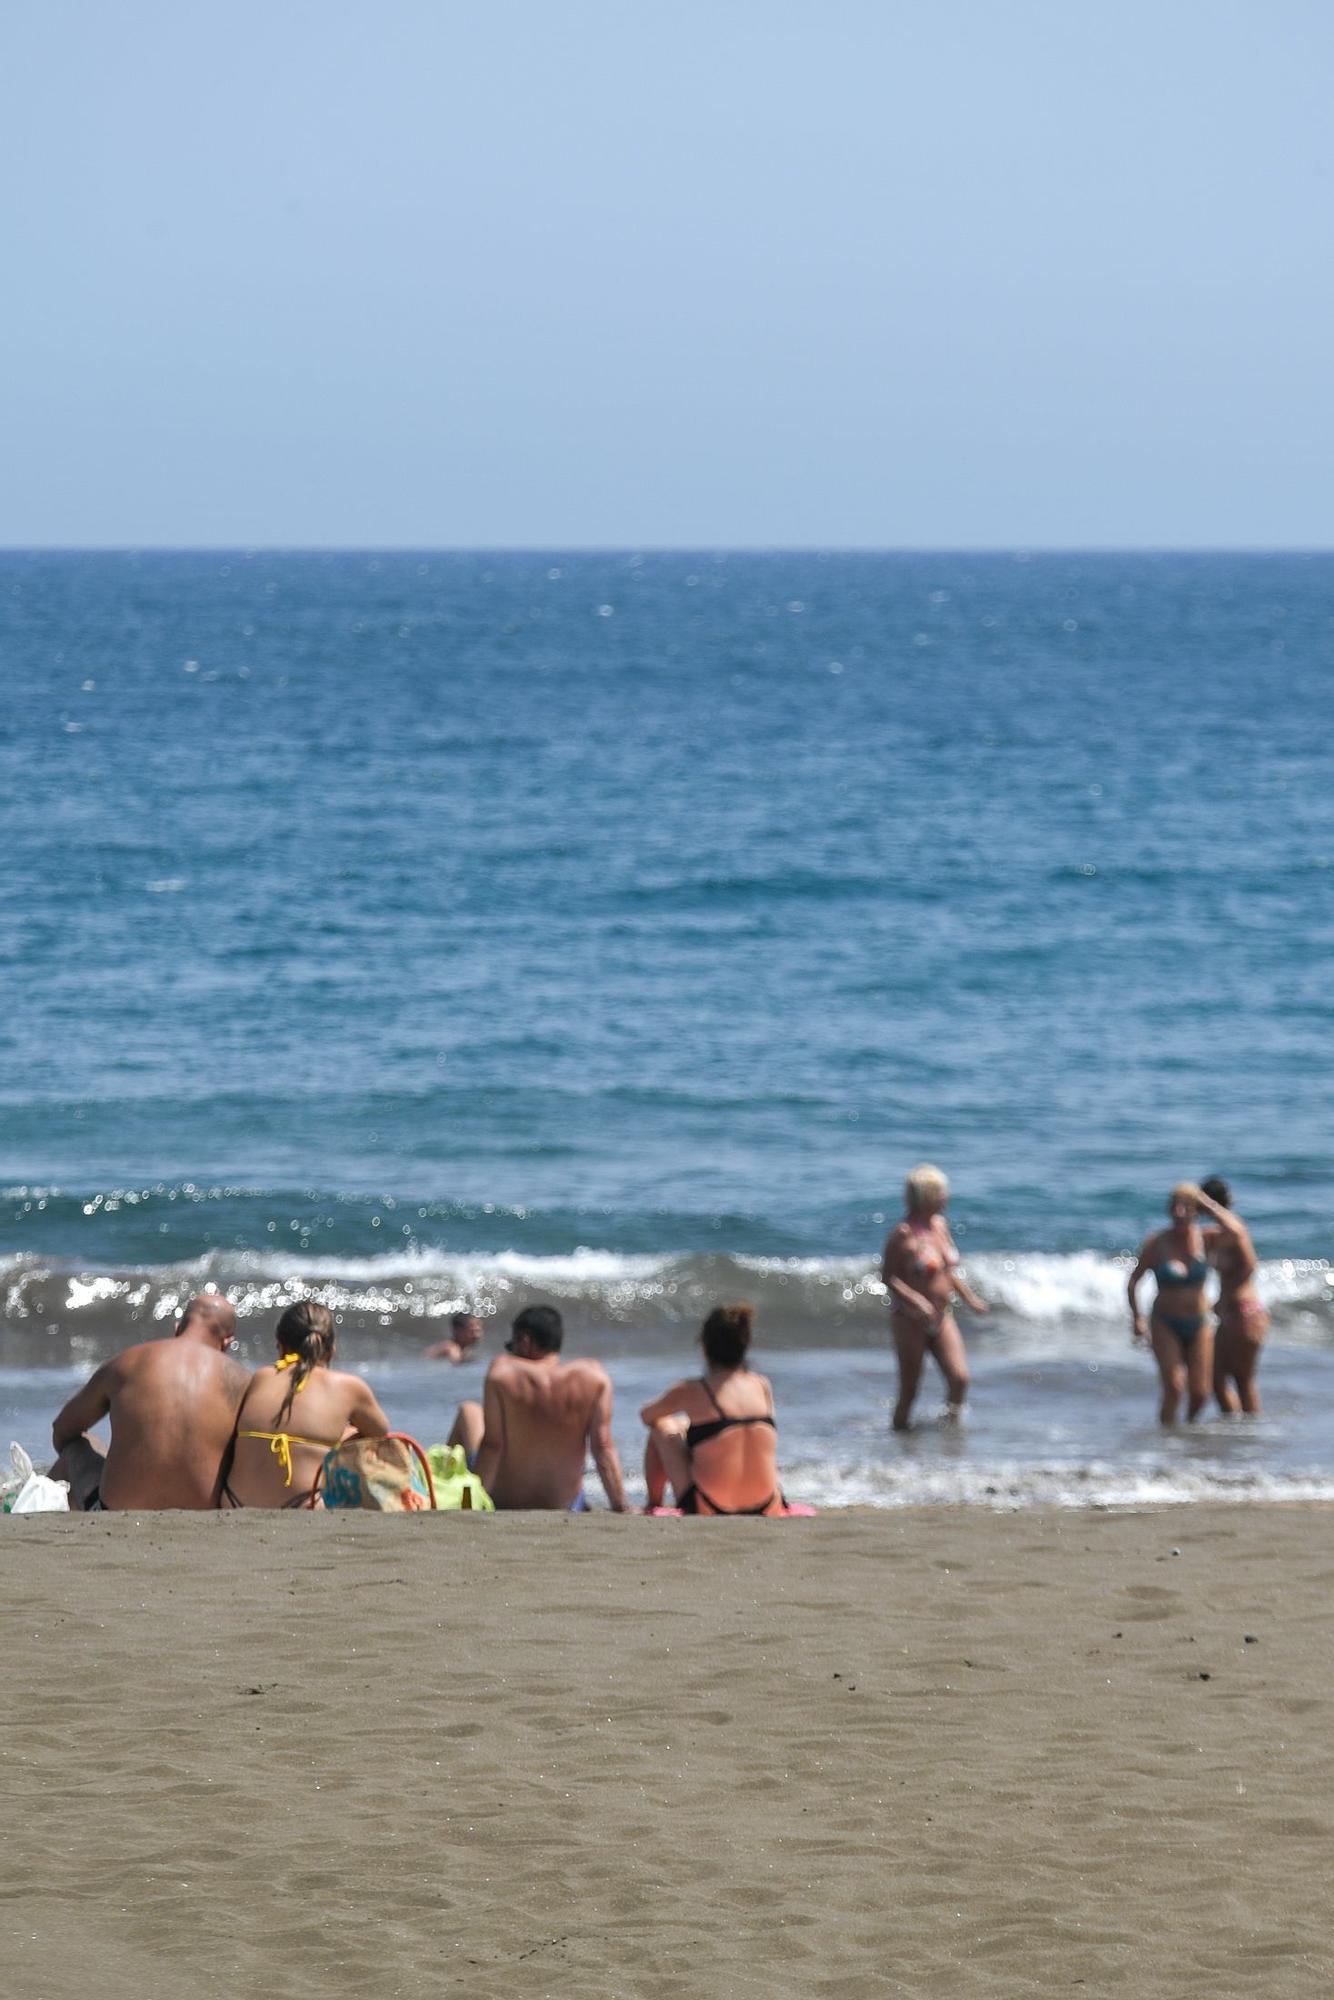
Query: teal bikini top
[[1173, 1272]]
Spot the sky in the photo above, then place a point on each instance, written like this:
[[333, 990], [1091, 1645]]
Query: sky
[[667, 273]]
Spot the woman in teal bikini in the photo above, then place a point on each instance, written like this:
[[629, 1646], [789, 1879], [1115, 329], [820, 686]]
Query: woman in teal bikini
[[1180, 1328]]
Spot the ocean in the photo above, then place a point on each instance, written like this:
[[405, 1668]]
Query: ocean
[[421, 930]]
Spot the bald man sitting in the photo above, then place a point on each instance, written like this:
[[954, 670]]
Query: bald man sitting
[[172, 1405]]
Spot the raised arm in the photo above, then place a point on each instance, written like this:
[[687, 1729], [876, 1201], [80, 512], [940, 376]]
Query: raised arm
[[492, 1447], [605, 1456], [86, 1407], [1234, 1229]]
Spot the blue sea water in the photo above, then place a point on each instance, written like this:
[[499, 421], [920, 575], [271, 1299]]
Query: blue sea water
[[427, 928]]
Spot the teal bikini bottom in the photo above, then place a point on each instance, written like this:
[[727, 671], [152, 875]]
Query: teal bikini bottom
[[1183, 1330]]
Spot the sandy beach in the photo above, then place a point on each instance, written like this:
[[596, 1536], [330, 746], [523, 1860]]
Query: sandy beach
[[917, 1753]]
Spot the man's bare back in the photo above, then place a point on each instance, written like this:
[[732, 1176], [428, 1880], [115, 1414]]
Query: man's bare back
[[172, 1405], [542, 1418]]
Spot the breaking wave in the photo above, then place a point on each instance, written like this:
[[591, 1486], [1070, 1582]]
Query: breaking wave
[[613, 1300]]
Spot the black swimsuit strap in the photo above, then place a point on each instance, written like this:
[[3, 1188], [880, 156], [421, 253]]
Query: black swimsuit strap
[[763, 1507], [768, 1397]]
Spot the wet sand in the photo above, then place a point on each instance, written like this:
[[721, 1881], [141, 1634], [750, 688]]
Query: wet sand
[[919, 1754]]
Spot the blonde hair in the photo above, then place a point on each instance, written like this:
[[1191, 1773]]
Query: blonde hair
[[1185, 1191], [921, 1184]]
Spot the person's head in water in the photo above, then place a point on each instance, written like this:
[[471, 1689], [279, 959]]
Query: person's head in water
[[926, 1190], [211, 1318], [305, 1330], [725, 1335], [1218, 1190], [466, 1329], [537, 1328]]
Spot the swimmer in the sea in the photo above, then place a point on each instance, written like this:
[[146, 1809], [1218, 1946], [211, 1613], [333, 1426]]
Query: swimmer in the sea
[[462, 1342]]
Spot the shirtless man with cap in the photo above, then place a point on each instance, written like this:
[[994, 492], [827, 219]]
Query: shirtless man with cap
[[172, 1405], [541, 1417]]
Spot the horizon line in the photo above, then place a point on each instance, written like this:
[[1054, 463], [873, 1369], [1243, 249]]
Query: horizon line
[[1014, 550]]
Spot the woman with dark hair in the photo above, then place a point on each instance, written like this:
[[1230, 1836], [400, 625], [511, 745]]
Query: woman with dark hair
[[280, 1446], [1242, 1319], [712, 1437]]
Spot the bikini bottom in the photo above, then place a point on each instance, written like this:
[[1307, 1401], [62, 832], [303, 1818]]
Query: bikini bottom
[[690, 1499], [297, 1500], [1183, 1330]]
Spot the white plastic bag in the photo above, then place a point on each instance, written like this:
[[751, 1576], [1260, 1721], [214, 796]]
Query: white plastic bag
[[29, 1492]]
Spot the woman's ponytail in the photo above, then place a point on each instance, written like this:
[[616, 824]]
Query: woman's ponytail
[[306, 1334]]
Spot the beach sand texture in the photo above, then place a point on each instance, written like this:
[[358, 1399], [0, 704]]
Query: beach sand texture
[[876, 1754]]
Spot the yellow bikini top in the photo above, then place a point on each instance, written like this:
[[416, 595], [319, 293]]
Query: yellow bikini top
[[281, 1442]]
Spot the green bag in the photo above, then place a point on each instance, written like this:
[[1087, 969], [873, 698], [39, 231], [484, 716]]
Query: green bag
[[455, 1486]]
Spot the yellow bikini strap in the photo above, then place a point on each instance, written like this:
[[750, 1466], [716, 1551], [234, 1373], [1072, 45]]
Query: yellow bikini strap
[[281, 1447], [292, 1361]]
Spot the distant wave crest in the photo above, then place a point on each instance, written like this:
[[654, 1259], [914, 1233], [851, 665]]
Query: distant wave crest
[[611, 1297]]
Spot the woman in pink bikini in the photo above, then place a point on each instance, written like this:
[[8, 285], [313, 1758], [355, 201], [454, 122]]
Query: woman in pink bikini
[[1242, 1320], [920, 1269]]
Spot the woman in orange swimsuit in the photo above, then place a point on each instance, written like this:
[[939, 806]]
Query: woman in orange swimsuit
[[712, 1437], [1242, 1319], [294, 1412], [920, 1270]]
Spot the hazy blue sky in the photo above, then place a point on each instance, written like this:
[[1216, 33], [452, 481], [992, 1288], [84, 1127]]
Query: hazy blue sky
[[561, 272]]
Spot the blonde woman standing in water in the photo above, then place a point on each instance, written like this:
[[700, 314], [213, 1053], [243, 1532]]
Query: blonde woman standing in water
[[920, 1270]]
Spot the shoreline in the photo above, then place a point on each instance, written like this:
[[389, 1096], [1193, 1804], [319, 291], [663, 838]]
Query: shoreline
[[876, 1752]]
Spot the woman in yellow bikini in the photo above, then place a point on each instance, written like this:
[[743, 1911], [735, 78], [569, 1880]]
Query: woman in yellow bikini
[[294, 1412]]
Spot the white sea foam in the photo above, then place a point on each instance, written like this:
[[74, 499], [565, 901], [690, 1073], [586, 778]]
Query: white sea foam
[[583, 1266], [1046, 1287], [1013, 1484], [1039, 1300]]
